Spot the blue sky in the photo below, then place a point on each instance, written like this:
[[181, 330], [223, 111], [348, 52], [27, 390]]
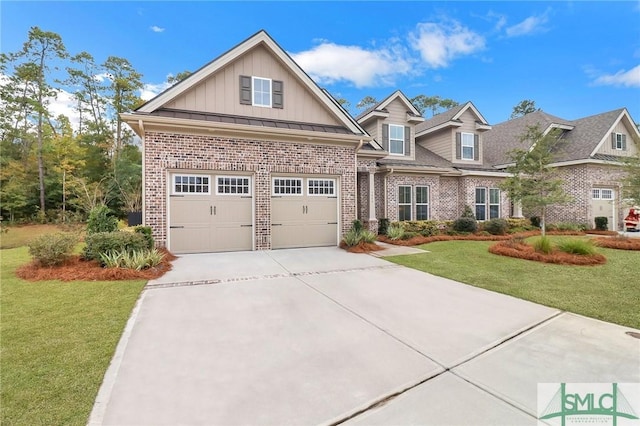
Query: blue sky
[[573, 59]]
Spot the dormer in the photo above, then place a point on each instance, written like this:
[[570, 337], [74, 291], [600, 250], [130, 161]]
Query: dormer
[[392, 123], [455, 135]]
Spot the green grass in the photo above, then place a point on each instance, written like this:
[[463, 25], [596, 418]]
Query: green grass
[[608, 292], [57, 341], [18, 236]]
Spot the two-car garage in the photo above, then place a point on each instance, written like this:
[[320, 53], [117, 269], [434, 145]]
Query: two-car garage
[[214, 212]]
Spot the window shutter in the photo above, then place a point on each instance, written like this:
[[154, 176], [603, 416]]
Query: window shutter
[[624, 142], [407, 140], [385, 137], [458, 145], [278, 95], [613, 141], [245, 90], [476, 147]]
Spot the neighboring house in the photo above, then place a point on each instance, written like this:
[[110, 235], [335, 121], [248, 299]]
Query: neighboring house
[[588, 160], [248, 153]]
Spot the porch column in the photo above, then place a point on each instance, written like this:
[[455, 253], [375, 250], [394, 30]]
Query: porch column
[[517, 209], [372, 197]]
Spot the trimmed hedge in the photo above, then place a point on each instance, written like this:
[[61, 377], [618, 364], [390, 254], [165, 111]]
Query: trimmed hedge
[[107, 242]]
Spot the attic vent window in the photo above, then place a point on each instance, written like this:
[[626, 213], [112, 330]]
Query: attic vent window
[[261, 92]]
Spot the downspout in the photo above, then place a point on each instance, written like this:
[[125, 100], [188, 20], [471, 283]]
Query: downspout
[[144, 220], [386, 195]]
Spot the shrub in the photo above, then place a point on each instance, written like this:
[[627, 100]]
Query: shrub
[[543, 245], [351, 238], [577, 246], [356, 225], [467, 212], [496, 226], [395, 232], [601, 223], [519, 225], [138, 260], [368, 236], [357, 234], [101, 219], [52, 249], [147, 233], [567, 226], [535, 221], [465, 224], [426, 228], [383, 225], [107, 242]]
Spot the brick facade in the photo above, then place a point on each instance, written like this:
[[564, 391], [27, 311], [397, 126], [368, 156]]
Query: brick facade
[[166, 152]]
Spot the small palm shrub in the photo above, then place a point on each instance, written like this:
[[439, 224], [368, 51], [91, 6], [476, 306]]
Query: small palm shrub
[[107, 242], [383, 225], [357, 234], [138, 259], [351, 238], [543, 245], [577, 246], [101, 219], [496, 226], [395, 232], [601, 223], [52, 249]]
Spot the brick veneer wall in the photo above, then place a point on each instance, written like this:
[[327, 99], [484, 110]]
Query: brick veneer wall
[[468, 185], [173, 151], [578, 182]]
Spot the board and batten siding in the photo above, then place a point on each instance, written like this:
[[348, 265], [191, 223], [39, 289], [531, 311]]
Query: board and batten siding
[[607, 148], [220, 93]]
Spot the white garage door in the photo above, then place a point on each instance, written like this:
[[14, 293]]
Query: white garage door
[[603, 204], [210, 213], [304, 211]]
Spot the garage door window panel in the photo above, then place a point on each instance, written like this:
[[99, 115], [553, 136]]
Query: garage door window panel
[[191, 184], [232, 185], [321, 187], [287, 186]]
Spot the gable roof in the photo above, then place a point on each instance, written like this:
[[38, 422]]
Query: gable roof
[[379, 109], [448, 118], [260, 38], [583, 137]]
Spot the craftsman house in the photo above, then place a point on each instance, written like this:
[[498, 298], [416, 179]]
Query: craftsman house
[[248, 153]]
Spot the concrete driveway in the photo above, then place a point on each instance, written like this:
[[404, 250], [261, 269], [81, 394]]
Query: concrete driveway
[[321, 336]]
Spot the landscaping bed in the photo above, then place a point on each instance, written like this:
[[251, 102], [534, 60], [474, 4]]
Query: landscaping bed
[[619, 243], [77, 269], [522, 250], [361, 247], [419, 239]]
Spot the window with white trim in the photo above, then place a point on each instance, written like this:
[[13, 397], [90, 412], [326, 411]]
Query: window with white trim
[[619, 141], [191, 184], [602, 194], [287, 186], [487, 203], [232, 185], [261, 91], [422, 202], [325, 187], [404, 202], [494, 203], [467, 144], [396, 139]]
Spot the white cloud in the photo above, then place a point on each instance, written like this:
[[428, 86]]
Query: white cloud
[[624, 78], [151, 90], [531, 25], [440, 43], [156, 29], [328, 63]]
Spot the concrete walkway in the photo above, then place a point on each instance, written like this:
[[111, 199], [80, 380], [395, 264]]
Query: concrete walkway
[[321, 336]]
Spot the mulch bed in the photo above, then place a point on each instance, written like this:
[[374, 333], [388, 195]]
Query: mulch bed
[[418, 240], [525, 251], [76, 269], [596, 232], [361, 248], [618, 243]]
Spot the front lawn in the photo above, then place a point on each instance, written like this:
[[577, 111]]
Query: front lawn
[[57, 341], [609, 292]]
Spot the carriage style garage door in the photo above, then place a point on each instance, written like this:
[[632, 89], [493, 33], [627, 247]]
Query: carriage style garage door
[[603, 204], [210, 212], [304, 211]]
